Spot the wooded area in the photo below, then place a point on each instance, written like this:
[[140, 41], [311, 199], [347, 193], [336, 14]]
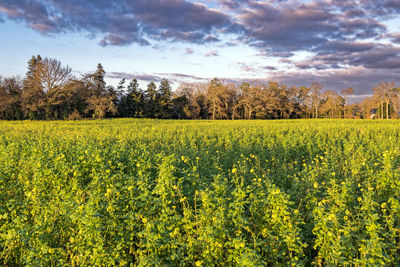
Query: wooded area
[[49, 91]]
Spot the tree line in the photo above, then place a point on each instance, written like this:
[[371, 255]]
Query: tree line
[[49, 91]]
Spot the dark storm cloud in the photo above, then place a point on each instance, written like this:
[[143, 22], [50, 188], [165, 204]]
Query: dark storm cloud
[[277, 27], [332, 30], [394, 37], [34, 13], [121, 22], [367, 55], [342, 46], [296, 26], [339, 34]]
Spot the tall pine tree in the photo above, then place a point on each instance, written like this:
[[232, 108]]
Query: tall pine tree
[[33, 95], [164, 100], [151, 106], [133, 101]]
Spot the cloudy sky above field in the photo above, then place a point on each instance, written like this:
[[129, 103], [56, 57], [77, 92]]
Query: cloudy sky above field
[[338, 43]]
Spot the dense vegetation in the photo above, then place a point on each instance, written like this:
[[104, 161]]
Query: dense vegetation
[[50, 92], [204, 193]]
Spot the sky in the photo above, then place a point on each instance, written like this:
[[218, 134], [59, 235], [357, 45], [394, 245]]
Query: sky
[[341, 44]]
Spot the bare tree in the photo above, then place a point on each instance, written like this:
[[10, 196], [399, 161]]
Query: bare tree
[[53, 75], [346, 94], [217, 96], [332, 104], [382, 95], [395, 99], [251, 98]]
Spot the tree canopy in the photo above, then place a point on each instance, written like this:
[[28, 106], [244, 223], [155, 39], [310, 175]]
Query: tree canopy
[[49, 91]]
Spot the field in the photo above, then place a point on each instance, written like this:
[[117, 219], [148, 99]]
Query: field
[[200, 193]]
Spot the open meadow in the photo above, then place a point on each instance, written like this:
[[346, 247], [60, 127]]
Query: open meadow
[[200, 193]]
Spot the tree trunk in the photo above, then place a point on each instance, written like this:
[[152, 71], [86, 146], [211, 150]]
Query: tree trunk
[[387, 109]]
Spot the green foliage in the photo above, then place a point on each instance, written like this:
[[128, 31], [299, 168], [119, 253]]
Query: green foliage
[[200, 193], [164, 99]]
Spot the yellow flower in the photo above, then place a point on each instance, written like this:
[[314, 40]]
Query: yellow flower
[[108, 193]]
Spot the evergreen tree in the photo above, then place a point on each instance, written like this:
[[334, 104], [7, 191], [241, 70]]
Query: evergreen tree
[[136, 96], [131, 104], [33, 96], [119, 92], [101, 99], [151, 107], [98, 79], [164, 100]]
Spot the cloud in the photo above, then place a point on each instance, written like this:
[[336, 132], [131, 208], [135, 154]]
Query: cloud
[[341, 38], [189, 51], [121, 22], [394, 37], [155, 77], [361, 79], [343, 55], [246, 67], [130, 76], [255, 68], [278, 28], [297, 26], [269, 68], [212, 53]]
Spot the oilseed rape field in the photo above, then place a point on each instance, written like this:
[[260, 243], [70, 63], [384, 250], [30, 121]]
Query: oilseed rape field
[[137, 192]]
